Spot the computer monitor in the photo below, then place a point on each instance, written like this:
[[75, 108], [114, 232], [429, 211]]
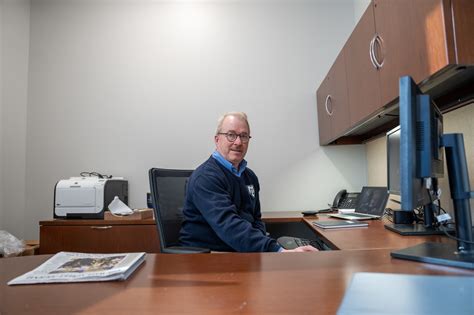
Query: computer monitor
[[415, 161], [393, 161], [421, 141]]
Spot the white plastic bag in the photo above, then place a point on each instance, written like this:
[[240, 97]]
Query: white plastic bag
[[117, 207], [10, 245]]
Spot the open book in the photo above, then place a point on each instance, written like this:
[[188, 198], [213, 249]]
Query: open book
[[80, 267]]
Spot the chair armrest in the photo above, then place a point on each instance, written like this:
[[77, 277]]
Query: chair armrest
[[185, 250]]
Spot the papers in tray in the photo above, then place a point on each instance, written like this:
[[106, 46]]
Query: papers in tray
[[339, 224], [80, 267]]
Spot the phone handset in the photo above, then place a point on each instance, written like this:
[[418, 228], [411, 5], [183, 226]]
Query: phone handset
[[345, 200], [339, 197]]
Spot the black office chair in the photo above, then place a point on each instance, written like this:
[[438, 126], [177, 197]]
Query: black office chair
[[168, 190]]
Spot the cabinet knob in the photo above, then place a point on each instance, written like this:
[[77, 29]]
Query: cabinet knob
[[328, 103]]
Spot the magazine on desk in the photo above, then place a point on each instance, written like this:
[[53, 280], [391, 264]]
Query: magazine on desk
[[339, 224], [81, 267]]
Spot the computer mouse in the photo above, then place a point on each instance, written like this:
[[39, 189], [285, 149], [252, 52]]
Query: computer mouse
[[309, 212]]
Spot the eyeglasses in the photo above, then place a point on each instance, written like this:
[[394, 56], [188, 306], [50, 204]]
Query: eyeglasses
[[232, 136]]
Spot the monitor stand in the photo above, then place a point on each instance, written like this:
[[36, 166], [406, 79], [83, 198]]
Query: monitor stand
[[448, 253], [437, 253], [417, 229]]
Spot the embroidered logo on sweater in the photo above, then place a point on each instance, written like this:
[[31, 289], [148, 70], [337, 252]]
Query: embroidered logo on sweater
[[251, 190]]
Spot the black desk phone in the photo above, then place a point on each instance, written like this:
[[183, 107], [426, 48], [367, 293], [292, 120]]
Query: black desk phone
[[345, 200]]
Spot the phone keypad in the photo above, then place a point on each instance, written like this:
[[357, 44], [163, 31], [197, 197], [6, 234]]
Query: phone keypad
[[348, 203]]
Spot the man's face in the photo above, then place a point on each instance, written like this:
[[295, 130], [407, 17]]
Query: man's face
[[235, 151]]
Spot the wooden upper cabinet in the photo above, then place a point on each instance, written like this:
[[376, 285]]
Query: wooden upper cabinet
[[363, 85], [429, 40], [333, 109], [420, 38], [412, 42], [463, 24]]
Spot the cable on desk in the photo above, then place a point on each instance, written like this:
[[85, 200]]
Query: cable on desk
[[388, 214], [90, 174]]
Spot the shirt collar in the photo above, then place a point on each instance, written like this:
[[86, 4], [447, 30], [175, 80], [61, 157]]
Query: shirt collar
[[242, 166]]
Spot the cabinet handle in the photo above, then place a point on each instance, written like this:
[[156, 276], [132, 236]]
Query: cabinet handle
[[101, 227], [326, 103], [371, 52], [379, 42], [376, 40]]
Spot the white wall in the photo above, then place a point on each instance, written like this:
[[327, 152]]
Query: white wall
[[359, 8], [460, 121], [121, 86], [14, 41]]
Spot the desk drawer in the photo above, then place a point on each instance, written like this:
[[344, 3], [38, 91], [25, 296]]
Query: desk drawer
[[100, 238]]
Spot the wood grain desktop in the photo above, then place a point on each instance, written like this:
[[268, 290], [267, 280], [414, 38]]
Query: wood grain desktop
[[250, 283], [375, 236]]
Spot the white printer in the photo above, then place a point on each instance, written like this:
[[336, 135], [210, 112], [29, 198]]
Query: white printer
[[87, 197]]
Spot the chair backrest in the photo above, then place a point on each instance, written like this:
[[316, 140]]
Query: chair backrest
[[168, 191]]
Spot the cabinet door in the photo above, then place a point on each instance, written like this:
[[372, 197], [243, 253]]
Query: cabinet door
[[333, 109], [340, 121], [463, 21], [363, 84], [99, 239], [324, 116], [413, 41]]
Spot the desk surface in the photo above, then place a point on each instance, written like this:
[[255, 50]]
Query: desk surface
[[259, 283], [54, 239], [375, 236]]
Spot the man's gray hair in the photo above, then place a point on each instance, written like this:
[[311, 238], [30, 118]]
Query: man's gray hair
[[240, 115]]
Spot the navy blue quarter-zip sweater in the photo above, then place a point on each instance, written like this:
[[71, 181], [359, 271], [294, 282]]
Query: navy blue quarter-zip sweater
[[222, 211]]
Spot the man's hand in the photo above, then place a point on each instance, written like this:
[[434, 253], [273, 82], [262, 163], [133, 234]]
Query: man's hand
[[307, 248]]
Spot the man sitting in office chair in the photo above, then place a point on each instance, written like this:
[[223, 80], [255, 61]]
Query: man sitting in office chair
[[222, 206]]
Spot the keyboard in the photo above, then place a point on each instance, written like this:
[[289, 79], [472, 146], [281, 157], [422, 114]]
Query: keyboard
[[289, 242]]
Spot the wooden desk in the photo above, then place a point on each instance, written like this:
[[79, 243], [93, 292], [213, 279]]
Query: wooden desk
[[282, 216], [114, 235], [375, 236], [109, 236], [258, 283]]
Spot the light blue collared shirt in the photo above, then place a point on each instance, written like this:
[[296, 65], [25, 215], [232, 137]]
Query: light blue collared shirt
[[228, 165]]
